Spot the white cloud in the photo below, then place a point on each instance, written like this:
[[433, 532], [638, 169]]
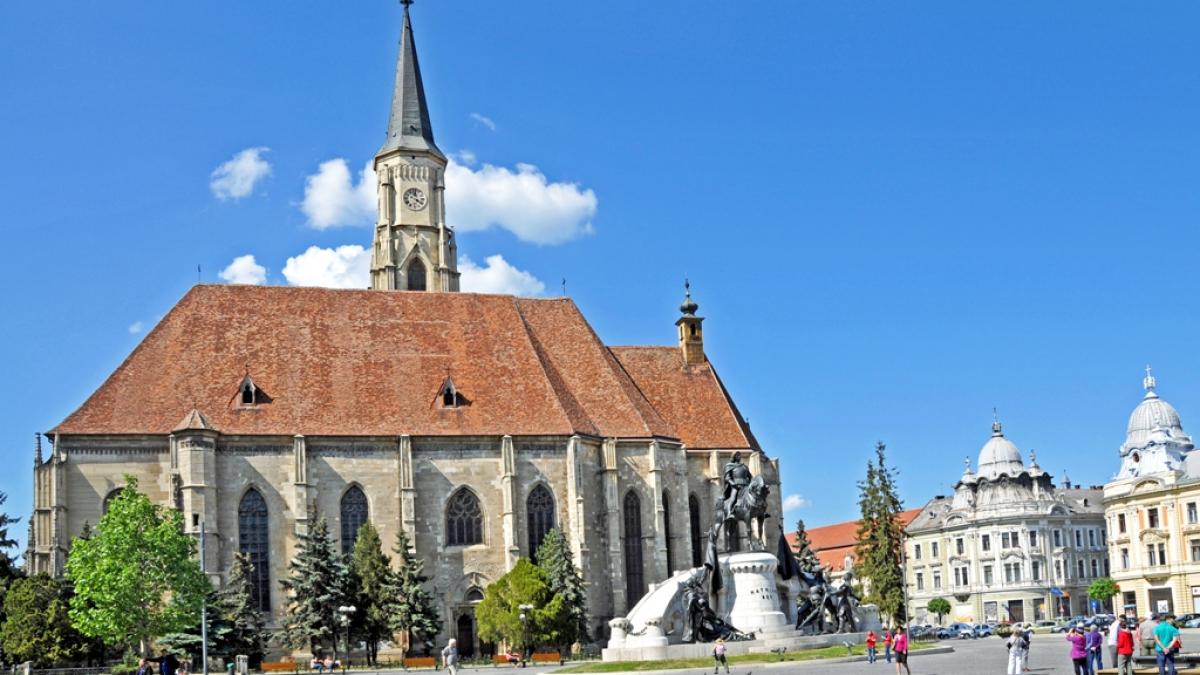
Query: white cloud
[[341, 267], [237, 177], [136, 327], [244, 270], [522, 202], [497, 277], [794, 501], [464, 157], [331, 199], [484, 120]]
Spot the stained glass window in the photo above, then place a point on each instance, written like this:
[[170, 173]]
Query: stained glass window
[[635, 581], [539, 514], [354, 514], [253, 543], [464, 520]]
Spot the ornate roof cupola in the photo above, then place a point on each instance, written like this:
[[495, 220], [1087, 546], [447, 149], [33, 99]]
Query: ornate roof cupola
[[964, 489], [414, 250], [1155, 442], [999, 456], [691, 332]]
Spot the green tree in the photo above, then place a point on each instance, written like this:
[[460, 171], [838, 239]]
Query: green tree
[[318, 583], [236, 603], [555, 559], [137, 577], [410, 608], [880, 537], [371, 569], [38, 627], [939, 606], [499, 614], [804, 554], [1102, 590]]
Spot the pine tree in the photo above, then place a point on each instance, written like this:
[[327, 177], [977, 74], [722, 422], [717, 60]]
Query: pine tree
[[804, 554], [246, 621], [880, 537], [316, 585], [8, 568], [555, 559], [410, 607], [371, 567]]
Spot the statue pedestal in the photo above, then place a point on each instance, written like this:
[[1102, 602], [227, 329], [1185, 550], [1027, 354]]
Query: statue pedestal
[[750, 594]]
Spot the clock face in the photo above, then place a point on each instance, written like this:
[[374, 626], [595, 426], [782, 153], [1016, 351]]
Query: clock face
[[414, 199]]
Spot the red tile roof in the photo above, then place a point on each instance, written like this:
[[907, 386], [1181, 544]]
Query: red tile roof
[[832, 543], [358, 363]]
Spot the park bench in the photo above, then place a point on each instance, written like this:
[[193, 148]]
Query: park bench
[[287, 666], [502, 660], [547, 657], [420, 662]]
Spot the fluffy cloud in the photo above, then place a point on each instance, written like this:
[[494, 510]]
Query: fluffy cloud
[[793, 502], [136, 327], [522, 202], [244, 270], [484, 120], [497, 277], [331, 199], [341, 267], [237, 177]]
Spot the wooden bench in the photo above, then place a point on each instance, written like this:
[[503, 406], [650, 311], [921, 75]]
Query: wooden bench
[[547, 657], [420, 662], [279, 667], [502, 660]]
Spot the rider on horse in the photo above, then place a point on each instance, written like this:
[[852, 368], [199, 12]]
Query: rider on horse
[[735, 478]]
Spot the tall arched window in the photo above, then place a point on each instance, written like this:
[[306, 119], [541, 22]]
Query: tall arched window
[[539, 514], [666, 497], [354, 514], [694, 528], [464, 520], [416, 275], [635, 581], [108, 500], [253, 543]]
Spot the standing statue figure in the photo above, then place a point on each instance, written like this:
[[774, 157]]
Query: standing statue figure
[[846, 604], [735, 477]]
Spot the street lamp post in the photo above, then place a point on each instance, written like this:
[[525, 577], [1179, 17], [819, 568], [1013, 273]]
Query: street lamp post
[[346, 611], [525, 609]]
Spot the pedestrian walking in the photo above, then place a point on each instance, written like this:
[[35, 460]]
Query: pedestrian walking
[[1095, 648], [871, 639], [719, 657], [450, 657], [1125, 647], [1018, 647], [144, 668], [1146, 634], [887, 644], [1078, 650], [900, 645], [1113, 630], [1166, 644]]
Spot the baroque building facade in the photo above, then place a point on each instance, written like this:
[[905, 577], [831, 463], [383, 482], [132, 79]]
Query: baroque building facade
[[475, 423], [1152, 508], [1007, 545]]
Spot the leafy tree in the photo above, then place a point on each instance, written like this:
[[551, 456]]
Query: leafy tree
[[1103, 589], [879, 538], [317, 584], [555, 559], [137, 578], [38, 627], [371, 569], [499, 614], [939, 606], [804, 554], [410, 608]]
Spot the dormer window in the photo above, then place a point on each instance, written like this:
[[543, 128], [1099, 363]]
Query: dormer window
[[450, 396], [248, 392], [250, 395]]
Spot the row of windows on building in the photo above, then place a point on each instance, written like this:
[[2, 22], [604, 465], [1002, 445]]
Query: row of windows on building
[[1156, 518], [1014, 573], [1156, 554], [1012, 539]]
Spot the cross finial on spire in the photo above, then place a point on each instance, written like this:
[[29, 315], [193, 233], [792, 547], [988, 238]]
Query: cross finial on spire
[[1149, 382], [967, 463], [996, 428]]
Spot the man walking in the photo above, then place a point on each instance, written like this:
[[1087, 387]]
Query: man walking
[[887, 644], [450, 657], [1113, 629]]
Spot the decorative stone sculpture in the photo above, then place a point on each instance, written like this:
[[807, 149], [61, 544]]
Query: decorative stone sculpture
[[701, 623]]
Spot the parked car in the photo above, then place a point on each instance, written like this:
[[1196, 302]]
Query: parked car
[[983, 630], [945, 633], [1045, 623]]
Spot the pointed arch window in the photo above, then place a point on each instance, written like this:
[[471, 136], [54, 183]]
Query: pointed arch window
[[666, 497], [464, 519], [416, 275], [539, 514], [108, 498], [694, 528], [253, 543], [354, 514], [635, 580]]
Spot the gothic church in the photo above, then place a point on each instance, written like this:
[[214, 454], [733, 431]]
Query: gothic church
[[473, 422]]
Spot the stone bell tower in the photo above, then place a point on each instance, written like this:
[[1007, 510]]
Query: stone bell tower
[[413, 250]]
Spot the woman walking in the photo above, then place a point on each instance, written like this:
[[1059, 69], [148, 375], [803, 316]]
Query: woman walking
[[871, 646], [1018, 647], [887, 644], [900, 646], [719, 657], [1078, 651]]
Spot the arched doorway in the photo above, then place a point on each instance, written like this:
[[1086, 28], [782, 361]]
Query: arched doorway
[[466, 635]]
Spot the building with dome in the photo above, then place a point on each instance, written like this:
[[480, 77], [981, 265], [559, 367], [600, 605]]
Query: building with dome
[[1007, 545], [1151, 508]]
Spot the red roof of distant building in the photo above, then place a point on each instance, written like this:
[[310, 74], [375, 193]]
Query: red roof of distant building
[[832, 543]]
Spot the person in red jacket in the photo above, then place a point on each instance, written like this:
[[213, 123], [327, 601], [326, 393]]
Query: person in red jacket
[[1124, 648], [871, 640]]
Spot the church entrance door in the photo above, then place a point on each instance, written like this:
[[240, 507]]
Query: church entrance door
[[466, 636]]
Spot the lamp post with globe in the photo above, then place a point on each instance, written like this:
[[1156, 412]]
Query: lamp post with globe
[[345, 612], [525, 609]]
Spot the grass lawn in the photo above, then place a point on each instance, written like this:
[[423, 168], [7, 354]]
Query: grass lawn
[[834, 652]]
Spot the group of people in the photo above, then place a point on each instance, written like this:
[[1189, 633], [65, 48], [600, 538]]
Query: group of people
[[166, 664], [1157, 636], [893, 643], [324, 665]]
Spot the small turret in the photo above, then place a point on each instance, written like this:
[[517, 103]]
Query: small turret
[[691, 331]]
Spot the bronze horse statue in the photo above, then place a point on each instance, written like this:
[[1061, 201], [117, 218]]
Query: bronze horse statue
[[749, 507]]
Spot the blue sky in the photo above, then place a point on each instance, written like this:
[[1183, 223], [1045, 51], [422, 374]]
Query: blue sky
[[896, 216]]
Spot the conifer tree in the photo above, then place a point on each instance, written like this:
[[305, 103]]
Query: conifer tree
[[555, 559], [804, 554], [8, 568], [411, 609], [246, 621], [371, 567], [317, 585], [880, 537]]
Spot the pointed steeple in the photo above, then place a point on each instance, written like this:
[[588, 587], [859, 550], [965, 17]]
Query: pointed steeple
[[408, 124]]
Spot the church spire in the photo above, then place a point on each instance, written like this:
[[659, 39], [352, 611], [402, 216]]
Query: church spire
[[408, 124]]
